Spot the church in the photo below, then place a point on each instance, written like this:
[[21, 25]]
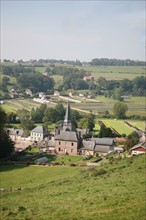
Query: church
[[66, 137]]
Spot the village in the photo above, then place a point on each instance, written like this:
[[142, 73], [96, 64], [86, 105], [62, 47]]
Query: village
[[67, 140]]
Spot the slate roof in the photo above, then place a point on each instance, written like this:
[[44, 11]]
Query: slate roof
[[67, 118], [88, 145], [12, 131], [143, 145], [67, 136], [102, 148], [103, 141], [40, 129]]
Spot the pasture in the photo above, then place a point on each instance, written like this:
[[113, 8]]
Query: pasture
[[114, 191], [115, 72]]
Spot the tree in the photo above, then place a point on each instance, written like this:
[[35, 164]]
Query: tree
[[131, 140], [120, 110], [87, 122], [6, 144], [105, 132]]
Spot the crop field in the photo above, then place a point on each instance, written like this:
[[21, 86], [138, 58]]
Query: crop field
[[139, 124], [119, 126], [16, 104], [115, 72], [114, 191]]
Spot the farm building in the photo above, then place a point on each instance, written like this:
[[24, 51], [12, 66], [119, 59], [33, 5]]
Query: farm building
[[139, 149], [97, 145]]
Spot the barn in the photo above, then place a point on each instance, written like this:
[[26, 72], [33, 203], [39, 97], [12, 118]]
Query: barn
[[139, 149]]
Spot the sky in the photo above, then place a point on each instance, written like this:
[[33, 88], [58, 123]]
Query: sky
[[71, 30]]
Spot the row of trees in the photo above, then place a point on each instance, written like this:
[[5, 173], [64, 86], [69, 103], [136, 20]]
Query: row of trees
[[95, 61], [117, 88], [116, 62]]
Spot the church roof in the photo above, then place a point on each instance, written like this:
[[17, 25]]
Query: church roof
[[67, 136], [67, 118]]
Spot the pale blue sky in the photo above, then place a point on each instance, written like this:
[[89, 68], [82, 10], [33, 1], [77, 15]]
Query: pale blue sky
[[72, 29]]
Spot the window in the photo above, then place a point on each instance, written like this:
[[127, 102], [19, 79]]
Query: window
[[59, 142], [59, 149], [72, 144]]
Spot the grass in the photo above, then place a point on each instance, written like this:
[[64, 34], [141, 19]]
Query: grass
[[115, 72], [115, 191]]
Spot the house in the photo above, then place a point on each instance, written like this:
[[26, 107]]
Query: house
[[101, 146], [88, 78], [28, 92], [139, 149], [56, 93], [41, 94], [88, 148], [66, 140], [39, 133], [15, 134]]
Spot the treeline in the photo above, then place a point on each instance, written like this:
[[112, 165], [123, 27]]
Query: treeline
[[95, 62], [35, 82], [116, 62], [117, 89], [16, 70]]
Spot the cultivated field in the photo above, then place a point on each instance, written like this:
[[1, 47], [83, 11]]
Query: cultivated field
[[114, 191]]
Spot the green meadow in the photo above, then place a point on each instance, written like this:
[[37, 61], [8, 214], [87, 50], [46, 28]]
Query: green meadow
[[114, 191], [115, 72]]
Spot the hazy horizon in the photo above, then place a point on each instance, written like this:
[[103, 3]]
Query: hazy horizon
[[70, 30]]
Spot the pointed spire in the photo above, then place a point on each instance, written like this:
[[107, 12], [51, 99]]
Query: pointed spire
[[67, 118]]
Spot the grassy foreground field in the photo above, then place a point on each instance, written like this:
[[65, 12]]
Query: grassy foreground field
[[114, 191]]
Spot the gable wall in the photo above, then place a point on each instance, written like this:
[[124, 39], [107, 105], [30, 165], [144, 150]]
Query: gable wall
[[62, 147]]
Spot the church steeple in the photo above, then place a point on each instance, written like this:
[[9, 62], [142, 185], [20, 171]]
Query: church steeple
[[67, 120]]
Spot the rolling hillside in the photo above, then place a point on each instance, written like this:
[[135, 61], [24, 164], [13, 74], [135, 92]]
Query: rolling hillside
[[114, 191]]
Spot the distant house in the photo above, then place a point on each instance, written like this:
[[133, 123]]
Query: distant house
[[41, 94], [56, 93], [139, 149], [39, 133], [88, 78], [28, 92], [14, 95], [97, 145]]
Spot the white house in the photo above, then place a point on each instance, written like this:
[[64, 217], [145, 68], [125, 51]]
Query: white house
[[39, 133]]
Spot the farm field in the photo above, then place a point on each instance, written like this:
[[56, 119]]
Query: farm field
[[115, 72], [120, 126], [64, 192], [16, 104]]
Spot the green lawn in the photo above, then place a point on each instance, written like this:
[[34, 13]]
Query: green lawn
[[115, 191]]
